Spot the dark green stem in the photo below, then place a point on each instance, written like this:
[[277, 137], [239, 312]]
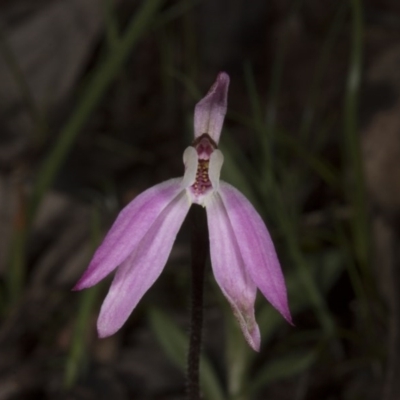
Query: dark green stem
[[200, 246]]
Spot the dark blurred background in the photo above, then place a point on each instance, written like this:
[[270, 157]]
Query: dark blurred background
[[96, 105]]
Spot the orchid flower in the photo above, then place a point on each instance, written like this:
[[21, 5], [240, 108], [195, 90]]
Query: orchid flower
[[243, 257]]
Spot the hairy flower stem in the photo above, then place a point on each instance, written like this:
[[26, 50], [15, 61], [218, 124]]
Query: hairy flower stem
[[200, 246]]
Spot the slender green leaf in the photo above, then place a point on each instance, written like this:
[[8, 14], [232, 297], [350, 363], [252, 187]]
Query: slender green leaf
[[352, 147], [95, 89], [175, 345], [78, 348], [284, 367]]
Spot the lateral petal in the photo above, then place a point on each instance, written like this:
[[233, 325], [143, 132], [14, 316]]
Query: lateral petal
[[131, 225], [191, 161], [229, 270], [216, 161], [209, 113], [256, 248], [141, 269]]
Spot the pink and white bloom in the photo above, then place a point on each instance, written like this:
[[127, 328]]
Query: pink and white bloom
[[243, 256]]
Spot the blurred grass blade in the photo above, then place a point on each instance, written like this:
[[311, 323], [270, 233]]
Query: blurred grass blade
[[77, 351], [285, 219], [190, 86], [325, 269], [352, 148], [174, 11], [318, 165], [258, 114], [16, 271], [277, 73], [273, 200], [189, 43], [167, 55], [238, 170], [95, 89], [322, 65], [258, 117], [311, 289], [26, 94], [364, 313], [283, 367], [112, 29], [265, 136], [175, 344], [239, 355]]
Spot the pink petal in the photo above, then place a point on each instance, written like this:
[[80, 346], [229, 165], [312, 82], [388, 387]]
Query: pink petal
[[141, 269], [132, 223], [230, 271], [209, 113], [256, 248]]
